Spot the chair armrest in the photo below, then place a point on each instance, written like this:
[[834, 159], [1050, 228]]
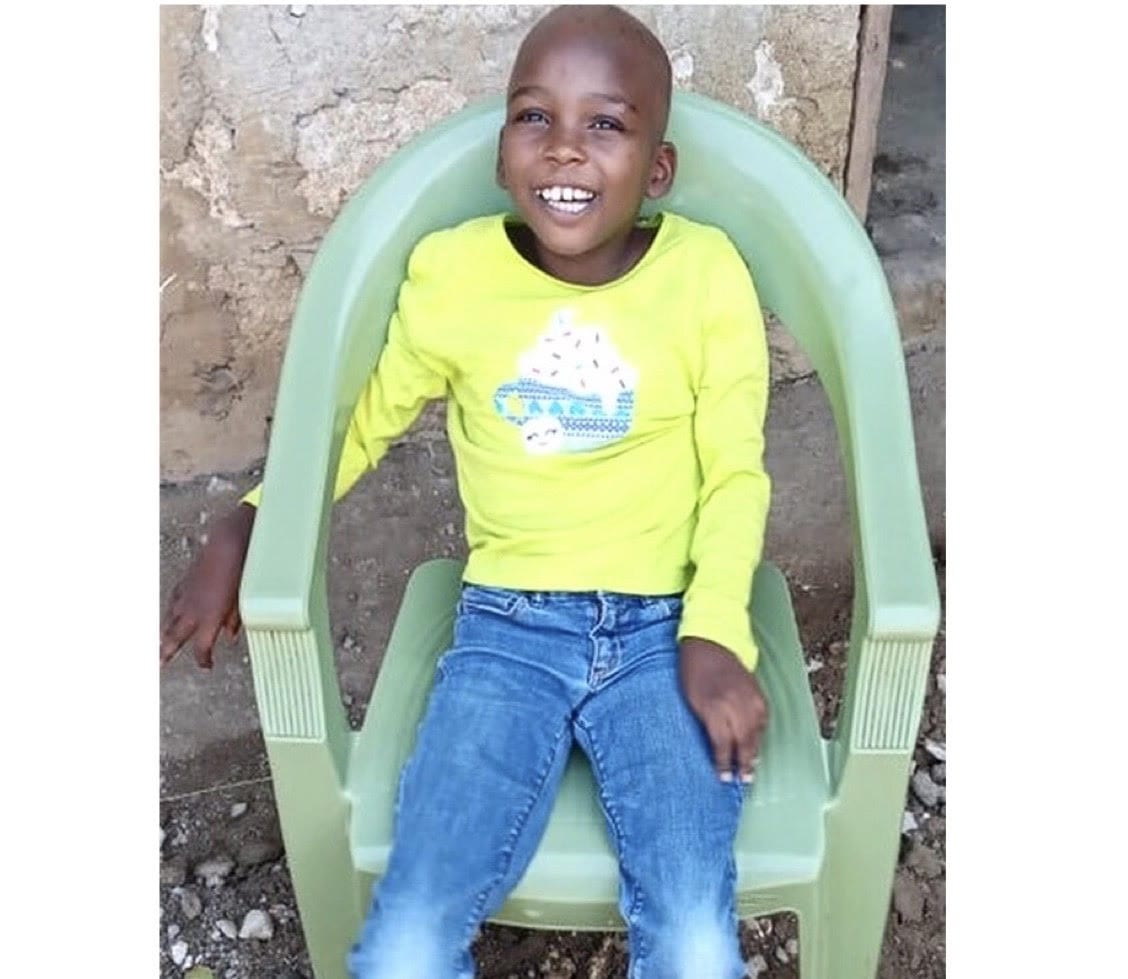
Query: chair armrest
[[896, 601]]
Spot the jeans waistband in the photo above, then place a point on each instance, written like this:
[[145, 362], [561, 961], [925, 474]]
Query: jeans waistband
[[574, 598]]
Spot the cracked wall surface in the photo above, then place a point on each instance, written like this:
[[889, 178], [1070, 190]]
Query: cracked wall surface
[[271, 116]]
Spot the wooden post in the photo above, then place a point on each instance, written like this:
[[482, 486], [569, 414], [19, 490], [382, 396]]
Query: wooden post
[[873, 52]]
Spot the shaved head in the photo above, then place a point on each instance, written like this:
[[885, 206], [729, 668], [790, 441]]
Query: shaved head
[[617, 34]]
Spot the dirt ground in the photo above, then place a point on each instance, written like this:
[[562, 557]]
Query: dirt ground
[[201, 827]]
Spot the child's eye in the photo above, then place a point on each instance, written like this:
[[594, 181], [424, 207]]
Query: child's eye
[[531, 115], [607, 123]]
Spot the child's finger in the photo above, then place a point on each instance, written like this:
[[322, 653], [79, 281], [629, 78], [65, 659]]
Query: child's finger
[[748, 750], [721, 737], [175, 635], [233, 623], [205, 641], [172, 610]]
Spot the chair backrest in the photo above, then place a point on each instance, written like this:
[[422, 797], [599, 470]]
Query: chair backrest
[[811, 259]]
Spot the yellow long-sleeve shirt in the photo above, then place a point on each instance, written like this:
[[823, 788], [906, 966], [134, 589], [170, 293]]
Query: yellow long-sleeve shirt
[[605, 437]]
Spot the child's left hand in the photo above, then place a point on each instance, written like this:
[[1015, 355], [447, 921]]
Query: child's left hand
[[728, 701]]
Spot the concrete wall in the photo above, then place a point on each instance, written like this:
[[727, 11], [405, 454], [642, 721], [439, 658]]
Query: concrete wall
[[272, 116]]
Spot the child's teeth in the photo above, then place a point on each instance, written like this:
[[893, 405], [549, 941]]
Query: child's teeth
[[565, 194]]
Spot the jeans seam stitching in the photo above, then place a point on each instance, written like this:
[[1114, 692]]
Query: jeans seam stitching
[[519, 824], [620, 837]]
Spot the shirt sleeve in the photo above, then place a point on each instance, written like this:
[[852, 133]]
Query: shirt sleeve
[[732, 506], [405, 378]]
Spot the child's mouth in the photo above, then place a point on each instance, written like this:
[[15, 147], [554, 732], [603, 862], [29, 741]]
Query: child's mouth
[[566, 199]]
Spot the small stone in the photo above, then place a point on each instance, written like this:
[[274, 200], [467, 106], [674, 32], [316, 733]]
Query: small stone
[[353, 596], [180, 838], [238, 809], [174, 872], [179, 952], [939, 773], [203, 517], [925, 789], [228, 928], [212, 871], [781, 955], [793, 947], [173, 931], [280, 912], [755, 966], [449, 530], [908, 823], [191, 905], [942, 682], [257, 924], [163, 835], [348, 700], [936, 749], [908, 897], [257, 852], [298, 9], [924, 861], [839, 648], [814, 666], [217, 486]]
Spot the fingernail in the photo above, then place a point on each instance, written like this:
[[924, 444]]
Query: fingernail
[[726, 776], [747, 779]]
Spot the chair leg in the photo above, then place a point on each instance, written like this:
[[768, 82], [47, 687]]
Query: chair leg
[[841, 932], [810, 933], [314, 817]]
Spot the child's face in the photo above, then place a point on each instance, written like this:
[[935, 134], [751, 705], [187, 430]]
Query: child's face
[[580, 147]]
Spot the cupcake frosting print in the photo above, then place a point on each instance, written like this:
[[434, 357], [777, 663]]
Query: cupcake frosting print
[[573, 391]]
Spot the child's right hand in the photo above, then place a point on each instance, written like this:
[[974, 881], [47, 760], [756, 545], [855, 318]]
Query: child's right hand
[[206, 599]]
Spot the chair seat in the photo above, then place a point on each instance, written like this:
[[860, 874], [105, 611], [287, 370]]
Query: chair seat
[[573, 880]]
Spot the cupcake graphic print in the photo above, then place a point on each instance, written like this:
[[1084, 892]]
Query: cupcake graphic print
[[573, 391]]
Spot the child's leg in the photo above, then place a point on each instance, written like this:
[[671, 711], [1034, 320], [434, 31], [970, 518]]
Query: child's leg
[[672, 820], [474, 798]]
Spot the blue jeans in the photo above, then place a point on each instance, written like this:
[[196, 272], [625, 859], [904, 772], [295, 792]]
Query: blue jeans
[[528, 674]]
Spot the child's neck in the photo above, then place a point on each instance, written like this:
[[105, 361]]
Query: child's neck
[[612, 260]]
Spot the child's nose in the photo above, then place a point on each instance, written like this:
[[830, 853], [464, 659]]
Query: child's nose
[[565, 145]]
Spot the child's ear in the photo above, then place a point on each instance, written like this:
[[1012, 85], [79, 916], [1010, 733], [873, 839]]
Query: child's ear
[[662, 171], [499, 170]]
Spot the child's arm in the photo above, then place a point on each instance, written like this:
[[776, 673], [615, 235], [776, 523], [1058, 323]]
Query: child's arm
[[206, 599], [718, 652]]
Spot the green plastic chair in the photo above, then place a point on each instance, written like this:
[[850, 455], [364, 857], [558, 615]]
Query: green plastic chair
[[820, 835]]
